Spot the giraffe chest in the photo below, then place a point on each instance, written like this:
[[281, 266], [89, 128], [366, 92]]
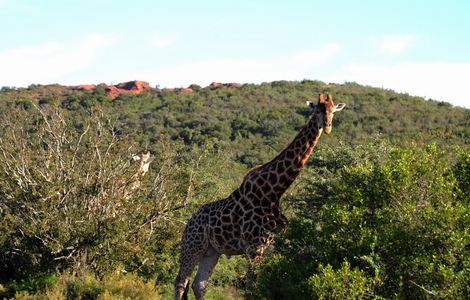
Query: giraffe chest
[[234, 227]]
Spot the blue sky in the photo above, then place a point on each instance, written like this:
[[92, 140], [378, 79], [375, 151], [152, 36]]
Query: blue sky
[[418, 47]]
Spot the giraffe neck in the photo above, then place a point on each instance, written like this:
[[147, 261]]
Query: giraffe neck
[[281, 172], [302, 146]]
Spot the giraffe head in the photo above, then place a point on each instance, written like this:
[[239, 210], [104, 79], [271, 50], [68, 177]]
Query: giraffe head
[[144, 162], [325, 110]]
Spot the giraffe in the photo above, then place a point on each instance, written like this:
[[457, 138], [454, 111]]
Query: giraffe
[[124, 186], [244, 222], [144, 163]]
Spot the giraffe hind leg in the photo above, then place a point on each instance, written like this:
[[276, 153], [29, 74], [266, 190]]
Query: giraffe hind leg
[[186, 290], [206, 266], [187, 264]]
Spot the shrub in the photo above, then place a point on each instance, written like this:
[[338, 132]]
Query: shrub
[[70, 197], [394, 214], [461, 171], [88, 286], [343, 283]]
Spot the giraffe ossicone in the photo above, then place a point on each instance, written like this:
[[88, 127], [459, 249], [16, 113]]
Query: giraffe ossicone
[[245, 221]]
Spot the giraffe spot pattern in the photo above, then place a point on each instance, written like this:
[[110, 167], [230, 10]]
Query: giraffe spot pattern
[[242, 223]]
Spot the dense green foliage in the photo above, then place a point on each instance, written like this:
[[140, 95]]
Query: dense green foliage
[[382, 210], [396, 216], [257, 121], [88, 286]]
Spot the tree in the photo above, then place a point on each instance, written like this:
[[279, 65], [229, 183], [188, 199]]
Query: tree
[[69, 198]]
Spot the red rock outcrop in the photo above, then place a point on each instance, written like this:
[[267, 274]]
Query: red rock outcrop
[[214, 85], [112, 91], [130, 87], [137, 87], [186, 90], [87, 87], [133, 86]]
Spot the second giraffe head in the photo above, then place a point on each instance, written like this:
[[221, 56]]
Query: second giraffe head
[[324, 110]]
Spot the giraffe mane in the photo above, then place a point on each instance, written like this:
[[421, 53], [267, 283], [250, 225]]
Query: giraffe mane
[[252, 170]]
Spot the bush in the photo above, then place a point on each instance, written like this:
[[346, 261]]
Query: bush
[[70, 198], [87, 286], [395, 215], [343, 283], [461, 171]]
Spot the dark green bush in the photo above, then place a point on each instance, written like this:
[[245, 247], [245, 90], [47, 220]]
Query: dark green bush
[[397, 216], [343, 283], [89, 287], [70, 198], [461, 172], [392, 213]]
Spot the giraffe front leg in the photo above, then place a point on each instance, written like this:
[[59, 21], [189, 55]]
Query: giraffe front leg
[[282, 222], [256, 249], [275, 222], [269, 222], [255, 254]]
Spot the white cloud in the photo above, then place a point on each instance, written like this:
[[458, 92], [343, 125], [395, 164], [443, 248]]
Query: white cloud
[[291, 67], [159, 40], [439, 81], [49, 61], [394, 44], [312, 57]]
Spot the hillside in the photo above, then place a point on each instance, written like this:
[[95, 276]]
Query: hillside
[[380, 211], [256, 121]]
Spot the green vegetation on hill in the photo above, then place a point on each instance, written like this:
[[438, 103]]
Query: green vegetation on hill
[[381, 210], [256, 121], [376, 221]]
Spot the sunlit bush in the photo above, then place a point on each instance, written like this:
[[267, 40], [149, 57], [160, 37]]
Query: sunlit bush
[[70, 197], [395, 214], [343, 283], [88, 286]]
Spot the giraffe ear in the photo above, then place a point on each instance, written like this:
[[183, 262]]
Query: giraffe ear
[[310, 104], [321, 99], [339, 107], [329, 98]]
